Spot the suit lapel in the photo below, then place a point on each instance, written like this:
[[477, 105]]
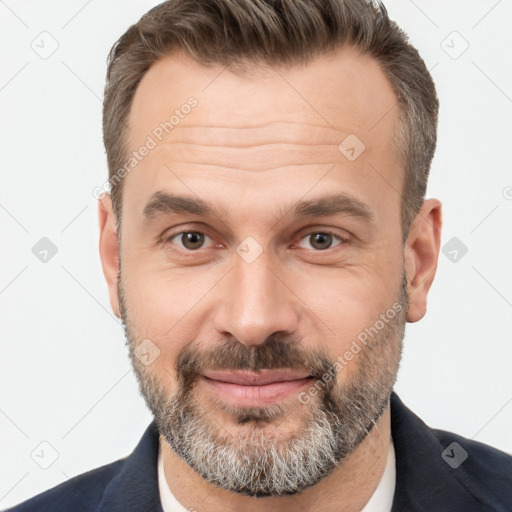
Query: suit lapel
[[135, 488]]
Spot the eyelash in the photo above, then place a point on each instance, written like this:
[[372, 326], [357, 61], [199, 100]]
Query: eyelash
[[188, 252]]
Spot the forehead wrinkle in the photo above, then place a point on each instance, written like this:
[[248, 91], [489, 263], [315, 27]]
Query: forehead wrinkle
[[292, 129], [255, 145], [241, 136], [259, 170], [257, 158]]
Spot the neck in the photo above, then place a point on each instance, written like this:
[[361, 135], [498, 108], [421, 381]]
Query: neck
[[347, 489]]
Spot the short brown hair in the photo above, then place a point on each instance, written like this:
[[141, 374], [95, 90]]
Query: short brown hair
[[281, 32]]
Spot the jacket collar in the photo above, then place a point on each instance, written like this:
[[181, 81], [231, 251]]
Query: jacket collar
[[135, 487], [424, 481]]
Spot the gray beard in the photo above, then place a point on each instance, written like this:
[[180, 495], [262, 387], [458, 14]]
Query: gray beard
[[262, 460]]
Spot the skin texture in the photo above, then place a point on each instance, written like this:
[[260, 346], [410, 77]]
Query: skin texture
[[254, 146]]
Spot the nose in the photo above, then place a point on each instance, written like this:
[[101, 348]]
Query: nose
[[256, 303]]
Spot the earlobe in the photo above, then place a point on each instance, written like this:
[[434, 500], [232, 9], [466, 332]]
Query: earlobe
[[109, 249], [421, 256]]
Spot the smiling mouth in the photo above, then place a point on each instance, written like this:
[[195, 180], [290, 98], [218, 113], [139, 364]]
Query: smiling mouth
[[250, 389]]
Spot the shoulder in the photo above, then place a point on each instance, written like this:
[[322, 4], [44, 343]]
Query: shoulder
[[440, 470], [80, 493], [482, 463], [128, 483]]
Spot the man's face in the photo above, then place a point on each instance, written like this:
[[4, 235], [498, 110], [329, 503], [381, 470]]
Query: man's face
[[269, 284]]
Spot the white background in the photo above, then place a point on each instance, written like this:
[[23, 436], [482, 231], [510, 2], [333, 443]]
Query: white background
[[65, 373]]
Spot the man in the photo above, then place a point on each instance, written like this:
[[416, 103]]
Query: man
[[265, 240]]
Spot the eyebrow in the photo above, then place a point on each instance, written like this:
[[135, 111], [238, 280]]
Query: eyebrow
[[163, 203]]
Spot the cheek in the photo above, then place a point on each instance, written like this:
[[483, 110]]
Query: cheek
[[345, 302], [170, 307], [159, 309]]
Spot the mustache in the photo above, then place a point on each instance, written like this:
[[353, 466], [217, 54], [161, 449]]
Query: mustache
[[274, 354]]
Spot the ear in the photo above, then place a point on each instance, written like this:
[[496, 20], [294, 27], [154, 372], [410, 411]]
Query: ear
[[109, 249], [421, 255]]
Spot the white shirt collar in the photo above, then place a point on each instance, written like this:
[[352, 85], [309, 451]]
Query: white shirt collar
[[382, 498], [167, 499], [380, 501]]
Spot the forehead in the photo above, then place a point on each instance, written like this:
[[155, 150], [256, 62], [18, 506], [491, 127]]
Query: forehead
[[268, 125], [340, 90]]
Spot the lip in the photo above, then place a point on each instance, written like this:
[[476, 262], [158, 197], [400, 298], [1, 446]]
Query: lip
[[249, 389], [245, 378]]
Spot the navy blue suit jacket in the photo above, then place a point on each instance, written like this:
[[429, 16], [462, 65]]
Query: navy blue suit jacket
[[433, 475]]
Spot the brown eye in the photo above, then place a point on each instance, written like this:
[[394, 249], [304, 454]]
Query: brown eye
[[192, 240], [320, 241], [189, 240]]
